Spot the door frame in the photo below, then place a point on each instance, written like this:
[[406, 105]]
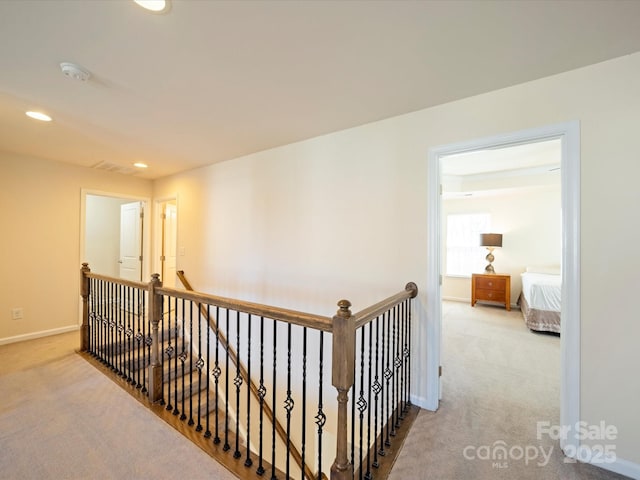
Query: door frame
[[146, 237], [569, 133], [157, 229]]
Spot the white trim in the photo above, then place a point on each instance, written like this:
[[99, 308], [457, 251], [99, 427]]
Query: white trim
[[40, 334], [569, 132], [157, 230], [621, 466]]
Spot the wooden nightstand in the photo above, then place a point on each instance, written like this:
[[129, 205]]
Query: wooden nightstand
[[491, 288]]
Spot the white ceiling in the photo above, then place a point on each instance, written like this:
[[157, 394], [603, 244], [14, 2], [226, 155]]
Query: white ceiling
[[525, 157], [214, 80]]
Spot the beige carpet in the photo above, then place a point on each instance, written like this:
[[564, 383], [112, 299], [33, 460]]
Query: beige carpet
[[499, 380], [61, 419]]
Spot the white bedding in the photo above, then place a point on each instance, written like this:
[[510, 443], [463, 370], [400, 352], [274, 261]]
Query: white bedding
[[542, 291]]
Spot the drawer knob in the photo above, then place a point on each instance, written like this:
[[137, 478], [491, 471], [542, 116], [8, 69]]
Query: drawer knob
[[491, 284]]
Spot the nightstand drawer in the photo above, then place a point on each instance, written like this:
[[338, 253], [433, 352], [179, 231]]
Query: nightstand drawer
[[491, 288], [492, 295], [490, 283]]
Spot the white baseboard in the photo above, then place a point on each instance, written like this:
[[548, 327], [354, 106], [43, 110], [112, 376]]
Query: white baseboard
[[623, 467], [457, 299], [40, 334], [420, 402]]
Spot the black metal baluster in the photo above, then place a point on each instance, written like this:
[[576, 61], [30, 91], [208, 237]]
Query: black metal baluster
[[176, 410], [273, 402], [226, 390], [403, 343], [207, 432], [138, 338], [304, 399], [408, 354], [288, 403], [377, 388], [199, 365], [353, 411], [381, 451], [162, 327], [122, 328], [190, 356], [92, 316], [105, 322], [394, 380], [237, 381], [146, 327], [104, 350], [118, 345], [261, 393], [170, 351], [129, 334], [112, 326], [388, 374], [183, 359], [321, 418], [248, 462], [362, 403], [368, 475], [216, 376]]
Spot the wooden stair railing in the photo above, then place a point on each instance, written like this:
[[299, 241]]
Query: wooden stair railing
[[282, 433], [100, 327]]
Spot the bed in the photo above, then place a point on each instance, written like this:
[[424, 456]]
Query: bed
[[540, 299]]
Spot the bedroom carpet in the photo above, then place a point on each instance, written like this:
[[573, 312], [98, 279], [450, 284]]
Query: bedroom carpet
[[499, 380]]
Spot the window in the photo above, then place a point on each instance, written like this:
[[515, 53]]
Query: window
[[464, 253]]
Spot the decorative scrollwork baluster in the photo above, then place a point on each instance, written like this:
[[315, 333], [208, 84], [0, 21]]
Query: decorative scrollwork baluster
[[248, 462], [216, 376], [321, 418], [262, 391]]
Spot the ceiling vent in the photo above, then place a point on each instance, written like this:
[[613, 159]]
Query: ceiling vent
[[74, 71], [114, 168]]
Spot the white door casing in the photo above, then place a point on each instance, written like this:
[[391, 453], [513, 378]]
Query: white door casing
[[569, 132], [169, 245]]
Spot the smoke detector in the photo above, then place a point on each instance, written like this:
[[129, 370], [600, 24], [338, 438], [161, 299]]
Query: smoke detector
[[74, 71]]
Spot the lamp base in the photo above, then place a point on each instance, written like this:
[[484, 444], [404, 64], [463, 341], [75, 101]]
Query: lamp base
[[489, 258]]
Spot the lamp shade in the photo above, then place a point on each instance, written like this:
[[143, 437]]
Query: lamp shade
[[491, 240]]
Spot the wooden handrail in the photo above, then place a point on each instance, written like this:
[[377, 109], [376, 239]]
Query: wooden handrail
[[119, 281], [294, 317], [365, 316], [282, 433]]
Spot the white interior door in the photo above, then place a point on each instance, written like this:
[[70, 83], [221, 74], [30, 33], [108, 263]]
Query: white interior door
[[131, 217], [169, 243]]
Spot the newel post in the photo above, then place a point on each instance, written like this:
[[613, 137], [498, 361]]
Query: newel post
[[342, 377], [155, 315], [84, 292]]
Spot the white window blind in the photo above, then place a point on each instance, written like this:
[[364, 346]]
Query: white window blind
[[464, 253]]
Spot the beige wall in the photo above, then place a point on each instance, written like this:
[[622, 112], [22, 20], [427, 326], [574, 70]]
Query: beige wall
[[530, 221], [40, 240], [345, 215]]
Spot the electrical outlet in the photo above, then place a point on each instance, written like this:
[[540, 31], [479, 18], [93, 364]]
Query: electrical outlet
[[17, 313]]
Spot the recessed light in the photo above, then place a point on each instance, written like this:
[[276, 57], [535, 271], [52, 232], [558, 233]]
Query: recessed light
[[155, 6], [39, 116], [140, 165]]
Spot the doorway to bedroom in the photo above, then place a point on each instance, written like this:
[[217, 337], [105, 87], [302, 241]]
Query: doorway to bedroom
[[532, 200], [114, 235]]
